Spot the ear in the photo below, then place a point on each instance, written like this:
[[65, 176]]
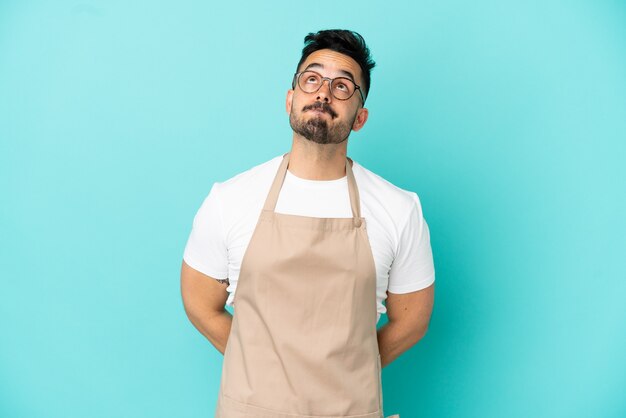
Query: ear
[[289, 101], [361, 118]]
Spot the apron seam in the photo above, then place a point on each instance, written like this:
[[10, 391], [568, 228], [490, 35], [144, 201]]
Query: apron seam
[[273, 411]]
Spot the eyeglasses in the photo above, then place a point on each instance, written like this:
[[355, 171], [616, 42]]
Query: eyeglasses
[[342, 88]]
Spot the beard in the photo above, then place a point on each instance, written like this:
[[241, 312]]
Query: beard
[[316, 128]]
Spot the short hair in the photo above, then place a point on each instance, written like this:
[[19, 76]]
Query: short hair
[[345, 42]]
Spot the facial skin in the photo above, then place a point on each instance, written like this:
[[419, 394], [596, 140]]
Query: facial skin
[[319, 117]]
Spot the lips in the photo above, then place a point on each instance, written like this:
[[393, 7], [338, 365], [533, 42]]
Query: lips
[[318, 111]]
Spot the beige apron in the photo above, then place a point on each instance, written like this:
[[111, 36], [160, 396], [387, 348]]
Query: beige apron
[[303, 339]]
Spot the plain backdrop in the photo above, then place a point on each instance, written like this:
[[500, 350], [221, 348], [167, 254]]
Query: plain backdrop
[[508, 119]]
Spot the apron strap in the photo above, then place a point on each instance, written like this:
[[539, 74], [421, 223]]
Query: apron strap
[[272, 196], [355, 201]]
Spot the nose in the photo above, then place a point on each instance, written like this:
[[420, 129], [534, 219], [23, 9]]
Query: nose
[[324, 91]]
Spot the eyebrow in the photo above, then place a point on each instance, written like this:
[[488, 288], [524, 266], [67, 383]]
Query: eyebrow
[[318, 65]]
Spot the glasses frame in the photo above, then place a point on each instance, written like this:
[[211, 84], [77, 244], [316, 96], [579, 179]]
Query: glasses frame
[[296, 80]]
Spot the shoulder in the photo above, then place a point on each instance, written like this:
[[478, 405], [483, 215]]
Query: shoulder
[[249, 182], [382, 194]]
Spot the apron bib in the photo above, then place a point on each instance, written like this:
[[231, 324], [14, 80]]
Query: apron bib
[[303, 339]]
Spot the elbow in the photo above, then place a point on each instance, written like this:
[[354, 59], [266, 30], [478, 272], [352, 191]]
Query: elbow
[[419, 331], [423, 330], [197, 310]]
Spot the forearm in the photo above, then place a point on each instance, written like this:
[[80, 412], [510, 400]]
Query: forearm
[[394, 338], [215, 326]]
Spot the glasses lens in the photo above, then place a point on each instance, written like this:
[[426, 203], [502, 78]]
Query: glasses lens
[[310, 81], [343, 88]]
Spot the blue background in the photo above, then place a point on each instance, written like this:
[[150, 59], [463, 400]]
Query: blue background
[[507, 118]]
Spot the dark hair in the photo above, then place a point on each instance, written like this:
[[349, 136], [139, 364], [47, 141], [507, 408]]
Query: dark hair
[[345, 42]]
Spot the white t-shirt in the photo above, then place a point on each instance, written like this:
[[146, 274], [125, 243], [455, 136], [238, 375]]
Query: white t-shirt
[[397, 232]]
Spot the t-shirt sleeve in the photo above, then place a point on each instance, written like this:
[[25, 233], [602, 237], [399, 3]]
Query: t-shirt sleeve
[[413, 267], [206, 249]]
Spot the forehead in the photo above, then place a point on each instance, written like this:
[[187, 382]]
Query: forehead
[[332, 63]]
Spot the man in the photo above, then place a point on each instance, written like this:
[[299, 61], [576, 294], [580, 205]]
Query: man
[[306, 247]]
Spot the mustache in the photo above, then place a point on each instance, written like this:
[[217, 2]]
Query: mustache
[[325, 107]]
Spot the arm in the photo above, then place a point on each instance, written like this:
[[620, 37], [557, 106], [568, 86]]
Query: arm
[[409, 315], [204, 299]]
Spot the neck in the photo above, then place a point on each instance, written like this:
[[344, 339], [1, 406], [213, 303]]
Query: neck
[[312, 161]]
